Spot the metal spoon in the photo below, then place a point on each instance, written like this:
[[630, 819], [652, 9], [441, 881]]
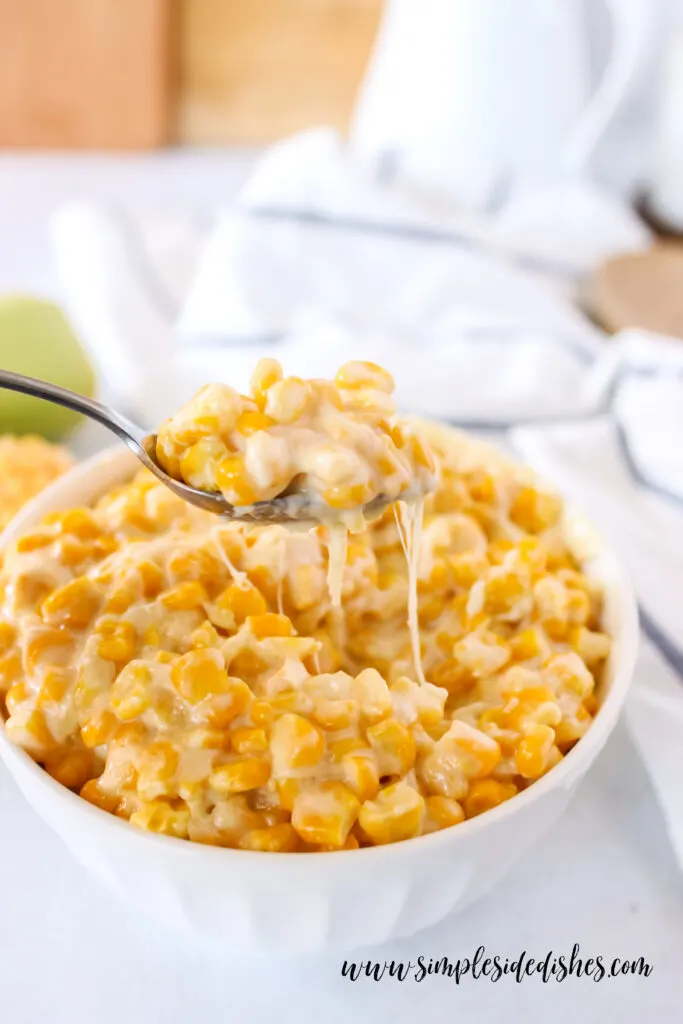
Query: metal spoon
[[284, 508]]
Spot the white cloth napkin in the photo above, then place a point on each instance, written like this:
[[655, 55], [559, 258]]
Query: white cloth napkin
[[317, 262]]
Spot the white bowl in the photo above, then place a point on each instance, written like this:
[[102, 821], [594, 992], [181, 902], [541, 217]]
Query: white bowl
[[297, 902]]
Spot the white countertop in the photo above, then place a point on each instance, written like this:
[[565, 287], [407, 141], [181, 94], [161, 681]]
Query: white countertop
[[71, 954]]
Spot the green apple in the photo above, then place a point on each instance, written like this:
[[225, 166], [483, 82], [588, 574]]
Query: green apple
[[36, 339]]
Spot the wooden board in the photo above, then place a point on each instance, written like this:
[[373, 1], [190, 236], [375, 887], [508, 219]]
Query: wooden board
[[85, 74], [256, 70], [640, 290]]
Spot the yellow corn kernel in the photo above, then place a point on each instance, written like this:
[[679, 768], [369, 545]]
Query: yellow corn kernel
[[71, 769], [7, 634], [95, 795], [243, 601], [467, 567], [240, 776], [280, 838], [200, 674], [421, 702], [567, 672], [98, 730], [287, 399], [261, 714], [34, 541], [246, 740], [534, 510], [503, 592], [361, 374], [158, 816], [251, 421], [246, 664], [130, 695], [48, 640], [578, 607], [35, 735], [223, 708], [119, 640], [338, 749], [361, 775], [204, 636], [10, 670], [592, 647], [266, 373], [528, 644], [234, 482], [452, 676], [269, 624], [54, 686], [199, 463], [295, 743], [122, 597], [287, 791], [74, 604], [371, 693], [81, 522], [295, 701], [325, 813], [393, 746], [15, 697], [395, 814], [443, 812], [485, 794], [349, 496], [334, 714], [152, 579], [185, 597], [534, 751]]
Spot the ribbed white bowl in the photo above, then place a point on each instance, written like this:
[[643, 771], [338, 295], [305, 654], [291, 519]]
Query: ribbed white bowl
[[298, 902]]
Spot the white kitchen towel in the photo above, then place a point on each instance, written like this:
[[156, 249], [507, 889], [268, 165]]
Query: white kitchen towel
[[315, 252], [318, 262], [625, 468]]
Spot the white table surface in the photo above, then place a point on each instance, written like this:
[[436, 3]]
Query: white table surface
[[71, 954]]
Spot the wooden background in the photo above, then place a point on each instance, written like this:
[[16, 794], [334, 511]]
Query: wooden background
[[132, 74]]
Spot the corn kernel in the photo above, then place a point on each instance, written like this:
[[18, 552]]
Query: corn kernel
[[393, 746], [280, 838], [242, 601], [325, 813], [233, 480], [72, 769], [75, 604], [395, 814], [95, 795], [295, 743], [240, 776], [118, 641], [485, 794], [361, 775], [534, 751], [266, 373], [249, 741], [269, 624], [98, 729], [185, 596], [443, 812], [158, 816], [361, 374]]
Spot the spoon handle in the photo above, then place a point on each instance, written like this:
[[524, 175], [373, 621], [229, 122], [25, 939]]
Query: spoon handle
[[114, 421]]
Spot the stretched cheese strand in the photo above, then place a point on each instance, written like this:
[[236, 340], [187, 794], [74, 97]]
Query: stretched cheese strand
[[409, 518], [337, 544]]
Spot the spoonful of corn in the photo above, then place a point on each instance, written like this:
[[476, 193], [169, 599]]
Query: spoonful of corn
[[293, 450]]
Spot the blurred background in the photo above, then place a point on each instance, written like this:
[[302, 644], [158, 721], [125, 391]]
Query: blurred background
[[146, 189]]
